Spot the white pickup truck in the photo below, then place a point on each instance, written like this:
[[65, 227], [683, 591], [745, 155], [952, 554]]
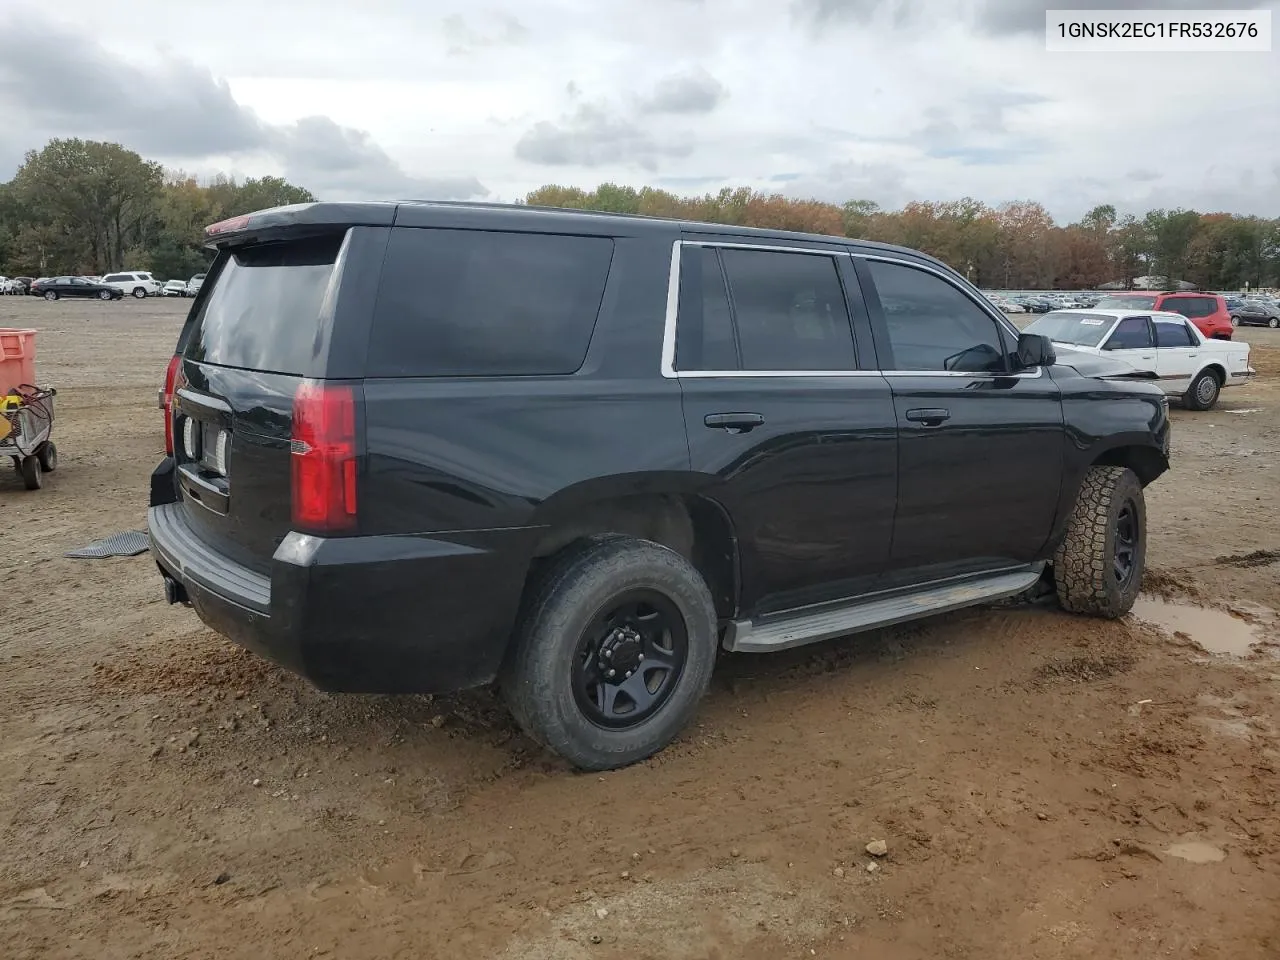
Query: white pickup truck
[[1164, 347]]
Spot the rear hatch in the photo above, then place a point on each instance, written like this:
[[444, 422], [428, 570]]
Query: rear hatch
[[258, 337]]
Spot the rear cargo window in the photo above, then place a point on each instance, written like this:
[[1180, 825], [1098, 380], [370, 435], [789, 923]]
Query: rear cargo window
[[481, 303], [262, 310]]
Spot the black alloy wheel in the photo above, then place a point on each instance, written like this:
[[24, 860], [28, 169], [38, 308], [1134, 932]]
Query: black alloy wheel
[[1127, 533], [629, 659]]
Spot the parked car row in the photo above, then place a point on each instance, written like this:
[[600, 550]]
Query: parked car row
[[1044, 303], [14, 286], [1254, 312], [112, 286]]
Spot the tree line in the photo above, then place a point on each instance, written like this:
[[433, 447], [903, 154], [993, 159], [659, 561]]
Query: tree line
[[83, 207], [1014, 246], [87, 207]]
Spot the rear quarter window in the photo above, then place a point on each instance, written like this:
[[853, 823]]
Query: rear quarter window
[[485, 303]]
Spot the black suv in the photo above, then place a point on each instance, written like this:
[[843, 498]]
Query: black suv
[[420, 447]]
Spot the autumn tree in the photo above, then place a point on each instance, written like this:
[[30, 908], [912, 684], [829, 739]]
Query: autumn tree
[[81, 206]]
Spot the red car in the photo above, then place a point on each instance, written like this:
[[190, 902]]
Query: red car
[[1207, 311]]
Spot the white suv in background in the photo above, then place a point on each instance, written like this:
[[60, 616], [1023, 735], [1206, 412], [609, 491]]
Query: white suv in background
[[194, 284], [136, 283]]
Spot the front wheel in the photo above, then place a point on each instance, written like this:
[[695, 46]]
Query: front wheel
[[1235, 321], [104, 295], [48, 456], [1097, 570], [139, 292], [613, 652], [1203, 392], [1273, 323]]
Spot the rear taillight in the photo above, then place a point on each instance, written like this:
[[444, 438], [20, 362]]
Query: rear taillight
[[171, 375], [323, 453]]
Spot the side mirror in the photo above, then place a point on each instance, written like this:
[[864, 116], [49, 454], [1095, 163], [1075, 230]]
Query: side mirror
[[1035, 350]]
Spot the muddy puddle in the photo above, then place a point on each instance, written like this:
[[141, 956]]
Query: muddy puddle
[[1215, 631]]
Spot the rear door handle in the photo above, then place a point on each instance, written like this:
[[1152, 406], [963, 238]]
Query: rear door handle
[[929, 416], [733, 422]]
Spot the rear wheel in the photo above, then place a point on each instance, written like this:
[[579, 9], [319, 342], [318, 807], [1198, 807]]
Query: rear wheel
[[613, 652], [51, 294], [1098, 568], [1203, 392], [1235, 321], [48, 456], [1273, 323], [32, 475], [139, 292], [104, 295]]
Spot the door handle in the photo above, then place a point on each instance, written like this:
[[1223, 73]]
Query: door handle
[[929, 416], [733, 422]]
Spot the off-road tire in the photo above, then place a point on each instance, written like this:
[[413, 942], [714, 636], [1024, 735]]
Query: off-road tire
[[1083, 571], [48, 456], [1200, 395], [560, 603]]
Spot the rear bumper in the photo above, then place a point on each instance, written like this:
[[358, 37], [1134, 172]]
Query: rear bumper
[[409, 614], [1240, 377]]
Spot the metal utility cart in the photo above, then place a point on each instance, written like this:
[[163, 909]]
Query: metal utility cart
[[26, 424], [26, 411]]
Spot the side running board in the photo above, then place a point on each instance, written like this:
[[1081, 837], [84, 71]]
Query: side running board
[[824, 623]]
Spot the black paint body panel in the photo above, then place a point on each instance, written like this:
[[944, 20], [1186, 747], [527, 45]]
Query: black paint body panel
[[836, 493]]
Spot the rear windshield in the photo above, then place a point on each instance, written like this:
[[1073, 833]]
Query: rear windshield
[[1126, 303], [261, 311], [1082, 329]]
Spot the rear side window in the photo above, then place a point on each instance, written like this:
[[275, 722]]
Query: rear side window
[[1172, 333], [262, 310], [704, 339], [1191, 306], [479, 303], [115, 278], [790, 311]]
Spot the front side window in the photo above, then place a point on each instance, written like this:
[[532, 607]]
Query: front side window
[[1131, 333], [933, 325]]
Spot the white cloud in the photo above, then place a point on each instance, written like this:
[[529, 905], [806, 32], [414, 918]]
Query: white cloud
[[889, 100]]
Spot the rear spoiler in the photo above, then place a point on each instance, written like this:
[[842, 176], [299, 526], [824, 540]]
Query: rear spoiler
[[299, 219]]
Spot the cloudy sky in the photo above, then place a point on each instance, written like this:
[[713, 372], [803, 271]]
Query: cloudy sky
[[887, 100]]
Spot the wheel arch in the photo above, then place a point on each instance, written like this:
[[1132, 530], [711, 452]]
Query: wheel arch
[[670, 509], [1144, 460], [1216, 368]]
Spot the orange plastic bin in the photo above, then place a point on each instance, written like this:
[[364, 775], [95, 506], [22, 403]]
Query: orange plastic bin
[[17, 358]]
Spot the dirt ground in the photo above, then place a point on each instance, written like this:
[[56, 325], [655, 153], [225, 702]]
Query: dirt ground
[[1047, 786]]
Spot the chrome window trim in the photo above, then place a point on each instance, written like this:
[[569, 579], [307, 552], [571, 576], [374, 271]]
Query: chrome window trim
[[673, 308]]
